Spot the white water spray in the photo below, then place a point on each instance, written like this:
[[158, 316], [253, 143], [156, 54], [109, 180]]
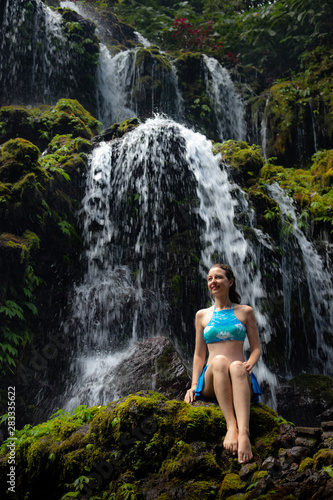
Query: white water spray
[[318, 279], [229, 109], [114, 303]]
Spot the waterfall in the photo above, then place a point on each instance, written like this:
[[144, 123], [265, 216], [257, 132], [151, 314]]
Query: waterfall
[[42, 55], [228, 106], [315, 142], [141, 39], [131, 187], [115, 77], [127, 88], [302, 264], [263, 131]]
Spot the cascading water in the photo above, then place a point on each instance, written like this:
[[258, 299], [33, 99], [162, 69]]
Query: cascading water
[[114, 76], [136, 83], [132, 185], [228, 107], [306, 275], [263, 131], [42, 56], [133, 82]]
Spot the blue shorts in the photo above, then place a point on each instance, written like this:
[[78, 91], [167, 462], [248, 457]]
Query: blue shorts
[[254, 383]]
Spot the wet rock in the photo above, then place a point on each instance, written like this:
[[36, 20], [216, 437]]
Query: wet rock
[[247, 470], [153, 364], [262, 487], [272, 465], [287, 436], [308, 436], [305, 398], [328, 491], [298, 453]]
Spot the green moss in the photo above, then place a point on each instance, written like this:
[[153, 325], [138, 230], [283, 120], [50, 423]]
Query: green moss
[[242, 157], [259, 475], [322, 458], [307, 463], [311, 189], [20, 150], [231, 484], [144, 437], [148, 56], [200, 490], [322, 167], [23, 244]]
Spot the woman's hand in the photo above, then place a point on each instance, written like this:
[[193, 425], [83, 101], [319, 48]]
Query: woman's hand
[[190, 396], [248, 366]]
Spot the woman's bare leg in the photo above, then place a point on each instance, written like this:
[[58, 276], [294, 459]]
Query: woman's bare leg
[[241, 391], [218, 384]]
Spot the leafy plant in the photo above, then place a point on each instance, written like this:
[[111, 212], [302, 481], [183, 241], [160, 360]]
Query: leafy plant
[[14, 329]]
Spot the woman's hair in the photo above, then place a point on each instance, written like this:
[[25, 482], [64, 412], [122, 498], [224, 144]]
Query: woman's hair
[[233, 294]]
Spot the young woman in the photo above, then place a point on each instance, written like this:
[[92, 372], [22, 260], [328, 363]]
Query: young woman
[[227, 377]]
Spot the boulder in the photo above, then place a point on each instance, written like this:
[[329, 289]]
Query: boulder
[[153, 364], [306, 400]]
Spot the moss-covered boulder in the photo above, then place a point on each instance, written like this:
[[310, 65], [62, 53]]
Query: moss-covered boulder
[[311, 189], [17, 157], [147, 447], [142, 443], [245, 160], [39, 125]]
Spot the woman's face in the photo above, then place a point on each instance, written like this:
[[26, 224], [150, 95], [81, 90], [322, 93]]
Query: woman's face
[[218, 281]]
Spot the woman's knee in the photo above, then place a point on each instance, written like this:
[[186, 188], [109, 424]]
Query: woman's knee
[[237, 369], [220, 363]]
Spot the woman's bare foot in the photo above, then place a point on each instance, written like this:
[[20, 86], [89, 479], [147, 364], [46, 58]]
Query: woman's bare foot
[[230, 442], [244, 449]]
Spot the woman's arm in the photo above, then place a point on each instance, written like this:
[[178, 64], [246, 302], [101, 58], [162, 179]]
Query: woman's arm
[[198, 358], [253, 336]]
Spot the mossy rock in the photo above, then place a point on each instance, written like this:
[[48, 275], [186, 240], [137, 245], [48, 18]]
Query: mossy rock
[[323, 458], [245, 161], [41, 124], [231, 484], [152, 60], [17, 157], [156, 440], [307, 463], [311, 189], [322, 167], [70, 117]]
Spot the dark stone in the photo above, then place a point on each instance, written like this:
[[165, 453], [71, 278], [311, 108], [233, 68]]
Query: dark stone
[[153, 364], [298, 453], [272, 465], [304, 399], [263, 485], [287, 436]]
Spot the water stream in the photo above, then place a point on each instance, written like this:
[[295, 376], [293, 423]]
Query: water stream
[[228, 107], [43, 55], [136, 189], [308, 274], [131, 186]]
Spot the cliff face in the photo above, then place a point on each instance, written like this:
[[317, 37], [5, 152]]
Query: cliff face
[[147, 447]]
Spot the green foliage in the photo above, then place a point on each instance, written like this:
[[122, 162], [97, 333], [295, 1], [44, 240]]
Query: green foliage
[[329, 470], [67, 228], [16, 311], [271, 36], [311, 189]]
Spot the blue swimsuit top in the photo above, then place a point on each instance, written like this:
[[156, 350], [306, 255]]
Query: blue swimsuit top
[[224, 326]]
